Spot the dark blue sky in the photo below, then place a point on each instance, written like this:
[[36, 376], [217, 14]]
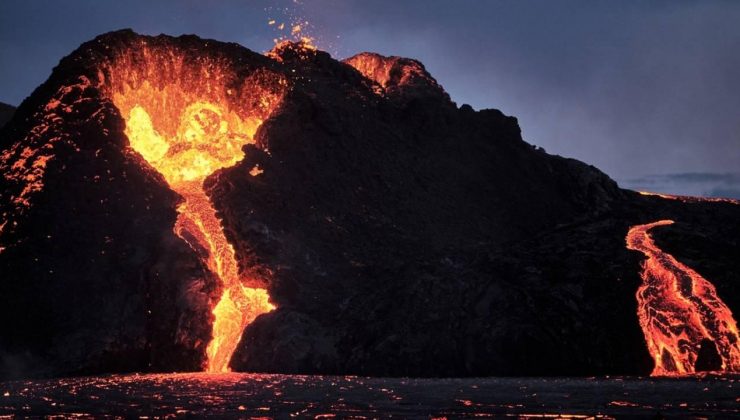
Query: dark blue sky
[[632, 87]]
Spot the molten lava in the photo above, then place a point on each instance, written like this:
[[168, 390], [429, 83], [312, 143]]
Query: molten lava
[[690, 199], [680, 312], [189, 119]]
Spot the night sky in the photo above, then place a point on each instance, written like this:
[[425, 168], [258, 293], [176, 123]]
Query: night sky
[[636, 88]]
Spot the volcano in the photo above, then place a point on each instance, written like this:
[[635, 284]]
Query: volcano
[[182, 204]]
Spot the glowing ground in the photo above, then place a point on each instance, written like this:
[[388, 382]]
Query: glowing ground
[[283, 396]]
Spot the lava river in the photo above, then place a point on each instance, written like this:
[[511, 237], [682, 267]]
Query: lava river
[[687, 327], [188, 119]]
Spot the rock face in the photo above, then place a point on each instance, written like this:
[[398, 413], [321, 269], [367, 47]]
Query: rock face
[[396, 233], [6, 112]]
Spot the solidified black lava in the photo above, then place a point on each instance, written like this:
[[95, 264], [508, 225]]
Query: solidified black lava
[[399, 234], [708, 358], [282, 396]]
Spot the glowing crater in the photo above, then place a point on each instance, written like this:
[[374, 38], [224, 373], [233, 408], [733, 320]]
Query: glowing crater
[[181, 119]]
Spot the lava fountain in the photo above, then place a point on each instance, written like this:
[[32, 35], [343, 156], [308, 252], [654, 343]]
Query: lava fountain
[[681, 314], [189, 118]]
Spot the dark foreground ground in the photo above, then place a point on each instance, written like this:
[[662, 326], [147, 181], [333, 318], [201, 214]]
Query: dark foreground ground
[[284, 396]]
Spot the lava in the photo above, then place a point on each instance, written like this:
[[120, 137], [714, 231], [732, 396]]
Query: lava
[[680, 313], [690, 199], [188, 120]]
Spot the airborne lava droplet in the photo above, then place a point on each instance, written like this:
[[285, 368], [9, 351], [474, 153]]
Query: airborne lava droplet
[[680, 311], [181, 119]]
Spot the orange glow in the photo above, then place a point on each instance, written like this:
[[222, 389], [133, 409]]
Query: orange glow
[[182, 118], [678, 309], [374, 67], [690, 199]]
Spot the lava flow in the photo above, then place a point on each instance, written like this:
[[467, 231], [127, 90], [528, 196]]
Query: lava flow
[[687, 327], [690, 199], [181, 119]]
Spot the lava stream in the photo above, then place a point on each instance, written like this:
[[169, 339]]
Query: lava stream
[[680, 312], [204, 142], [187, 135], [198, 225], [189, 116]]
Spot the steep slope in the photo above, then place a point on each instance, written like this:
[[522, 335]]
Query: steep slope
[[6, 112], [152, 179]]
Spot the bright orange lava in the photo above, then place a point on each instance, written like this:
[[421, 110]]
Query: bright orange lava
[[180, 118], [690, 199], [678, 309]]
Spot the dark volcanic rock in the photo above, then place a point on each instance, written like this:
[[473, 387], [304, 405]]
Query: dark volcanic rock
[[396, 233], [6, 112]]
